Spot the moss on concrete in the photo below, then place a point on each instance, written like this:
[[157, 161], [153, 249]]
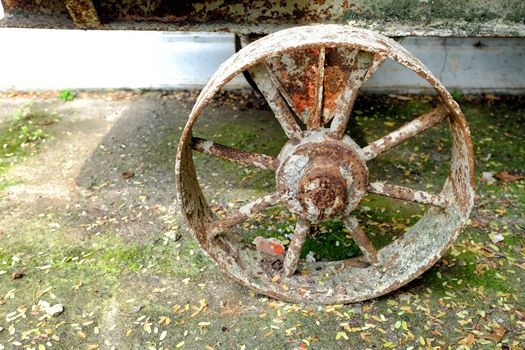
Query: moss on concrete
[[449, 11], [21, 138]]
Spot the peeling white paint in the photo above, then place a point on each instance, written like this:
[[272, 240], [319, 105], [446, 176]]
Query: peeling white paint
[[207, 145]]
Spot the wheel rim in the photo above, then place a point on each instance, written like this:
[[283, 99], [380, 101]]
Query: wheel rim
[[311, 190]]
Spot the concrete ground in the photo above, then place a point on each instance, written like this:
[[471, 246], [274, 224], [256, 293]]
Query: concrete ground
[[93, 254]]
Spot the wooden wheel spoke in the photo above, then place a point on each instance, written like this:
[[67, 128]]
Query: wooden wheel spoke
[[299, 76], [407, 194], [232, 154], [261, 76], [396, 137], [361, 239], [347, 70], [315, 118], [245, 212], [293, 254]]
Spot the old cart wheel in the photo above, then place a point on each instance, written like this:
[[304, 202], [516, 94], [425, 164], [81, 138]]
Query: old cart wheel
[[315, 73]]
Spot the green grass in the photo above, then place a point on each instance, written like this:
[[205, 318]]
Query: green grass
[[66, 95]]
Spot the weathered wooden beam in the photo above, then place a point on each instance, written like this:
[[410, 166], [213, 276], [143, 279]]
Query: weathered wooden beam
[[83, 13]]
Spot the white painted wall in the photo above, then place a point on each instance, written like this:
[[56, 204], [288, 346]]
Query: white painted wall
[[471, 65], [54, 59]]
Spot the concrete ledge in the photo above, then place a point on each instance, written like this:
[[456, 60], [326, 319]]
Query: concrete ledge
[[35, 59]]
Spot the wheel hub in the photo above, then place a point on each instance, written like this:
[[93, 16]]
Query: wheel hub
[[322, 178], [322, 189]]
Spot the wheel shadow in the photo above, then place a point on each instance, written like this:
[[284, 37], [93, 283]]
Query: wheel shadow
[[139, 149]]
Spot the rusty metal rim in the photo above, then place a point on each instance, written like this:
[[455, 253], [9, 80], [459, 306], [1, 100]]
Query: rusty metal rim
[[458, 187]]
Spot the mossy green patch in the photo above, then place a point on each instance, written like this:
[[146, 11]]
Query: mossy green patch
[[36, 245], [8, 183], [86, 274], [21, 138], [447, 11]]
